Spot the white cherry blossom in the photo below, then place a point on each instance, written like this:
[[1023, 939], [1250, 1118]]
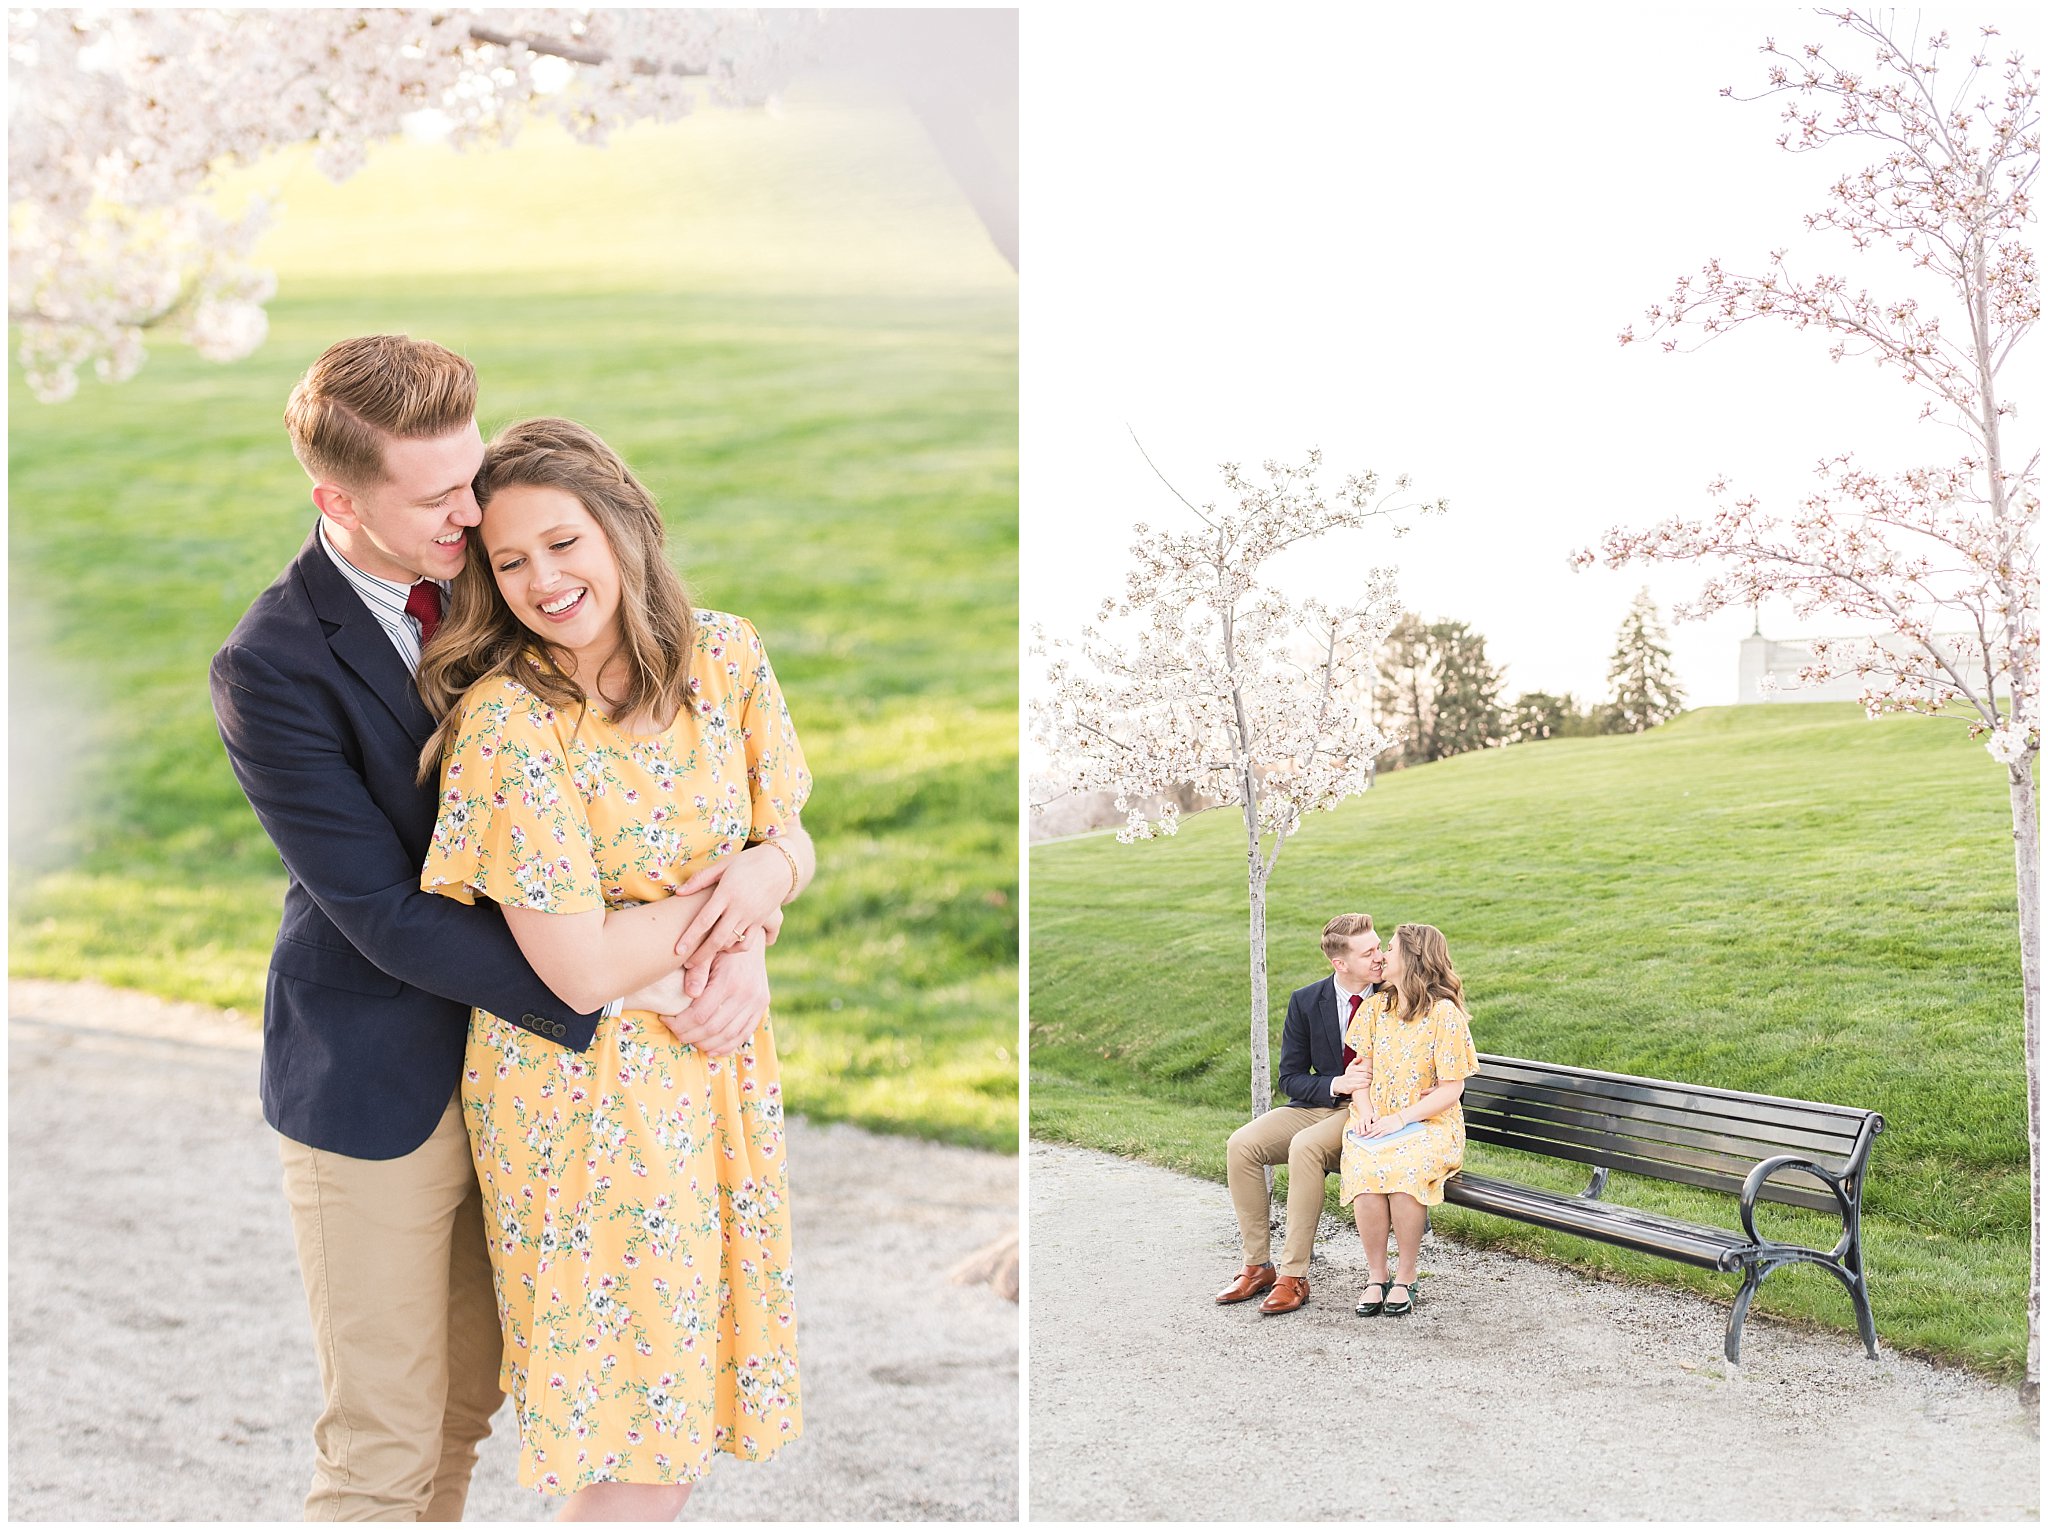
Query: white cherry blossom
[[1213, 679], [118, 121]]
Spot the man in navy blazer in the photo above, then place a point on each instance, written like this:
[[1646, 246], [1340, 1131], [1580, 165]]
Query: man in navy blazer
[[371, 983], [1317, 1073]]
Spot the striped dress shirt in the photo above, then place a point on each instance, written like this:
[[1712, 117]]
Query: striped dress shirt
[[386, 601]]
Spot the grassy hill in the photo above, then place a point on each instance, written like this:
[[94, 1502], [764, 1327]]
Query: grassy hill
[[797, 333], [1788, 899]]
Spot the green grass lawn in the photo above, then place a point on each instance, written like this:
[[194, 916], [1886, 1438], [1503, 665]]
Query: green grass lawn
[[831, 430], [1784, 899]]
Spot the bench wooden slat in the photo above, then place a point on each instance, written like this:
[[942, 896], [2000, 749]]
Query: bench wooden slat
[[1676, 1107], [1738, 1099], [1654, 1160], [1787, 1193], [1592, 1132], [1757, 1110], [1542, 1118], [1711, 1248]]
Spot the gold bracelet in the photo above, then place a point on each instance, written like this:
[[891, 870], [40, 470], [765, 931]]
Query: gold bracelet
[[794, 875]]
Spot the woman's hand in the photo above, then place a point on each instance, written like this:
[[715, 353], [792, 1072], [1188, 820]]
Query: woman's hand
[[1386, 1126], [747, 892]]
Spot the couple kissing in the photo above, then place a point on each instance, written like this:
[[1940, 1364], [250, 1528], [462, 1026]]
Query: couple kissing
[[1373, 1060]]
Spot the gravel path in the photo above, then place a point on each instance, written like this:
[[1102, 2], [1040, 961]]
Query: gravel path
[[161, 1365], [1515, 1391]]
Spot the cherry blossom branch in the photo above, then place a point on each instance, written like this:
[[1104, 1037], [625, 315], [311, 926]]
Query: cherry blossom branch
[[118, 121]]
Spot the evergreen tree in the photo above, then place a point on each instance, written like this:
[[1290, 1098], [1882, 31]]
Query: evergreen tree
[[1468, 711], [1437, 692], [1404, 698], [1646, 692], [1539, 715]]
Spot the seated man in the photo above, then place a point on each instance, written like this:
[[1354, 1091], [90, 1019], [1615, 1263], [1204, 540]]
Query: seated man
[[1308, 1133]]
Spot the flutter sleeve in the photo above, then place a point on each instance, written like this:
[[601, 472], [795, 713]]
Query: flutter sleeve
[[778, 780], [511, 825], [1455, 1057]]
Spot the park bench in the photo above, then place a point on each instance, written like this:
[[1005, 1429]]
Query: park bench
[[1715, 1138]]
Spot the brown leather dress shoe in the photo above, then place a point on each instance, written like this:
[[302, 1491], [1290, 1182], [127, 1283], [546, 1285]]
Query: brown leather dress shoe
[[1250, 1282], [1288, 1293]]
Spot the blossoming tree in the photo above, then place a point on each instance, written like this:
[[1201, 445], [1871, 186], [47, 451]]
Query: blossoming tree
[[1940, 547], [118, 121], [1251, 696]]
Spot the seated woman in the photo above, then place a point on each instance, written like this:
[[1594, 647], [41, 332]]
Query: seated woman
[[1406, 1134], [603, 748]]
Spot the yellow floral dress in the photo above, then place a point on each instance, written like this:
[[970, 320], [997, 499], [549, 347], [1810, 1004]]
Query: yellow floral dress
[[635, 1194], [1409, 1058]]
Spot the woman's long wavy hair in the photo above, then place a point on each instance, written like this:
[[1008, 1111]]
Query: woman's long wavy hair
[[479, 638], [1426, 971]]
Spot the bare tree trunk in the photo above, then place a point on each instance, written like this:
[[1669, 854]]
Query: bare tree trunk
[[2026, 838], [1262, 1071]]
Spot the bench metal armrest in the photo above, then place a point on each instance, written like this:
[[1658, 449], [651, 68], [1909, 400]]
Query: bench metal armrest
[[1753, 1186]]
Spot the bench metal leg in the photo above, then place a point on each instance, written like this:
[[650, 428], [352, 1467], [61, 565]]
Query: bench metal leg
[[1752, 1277], [1851, 1275], [1852, 1279], [1858, 1282], [1865, 1323]]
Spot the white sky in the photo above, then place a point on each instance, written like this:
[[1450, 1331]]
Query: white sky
[[1410, 236]]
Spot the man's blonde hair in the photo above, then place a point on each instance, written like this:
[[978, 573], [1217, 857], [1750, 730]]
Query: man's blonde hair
[[363, 392], [1338, 932]]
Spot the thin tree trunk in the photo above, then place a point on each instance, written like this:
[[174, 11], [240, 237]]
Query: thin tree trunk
[[1262, 1072], [2026, 837]]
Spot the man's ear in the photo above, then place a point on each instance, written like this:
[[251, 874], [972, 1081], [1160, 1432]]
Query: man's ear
[[337, 504]]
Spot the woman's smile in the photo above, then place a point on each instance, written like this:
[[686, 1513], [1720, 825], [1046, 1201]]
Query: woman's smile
[[562, 608]]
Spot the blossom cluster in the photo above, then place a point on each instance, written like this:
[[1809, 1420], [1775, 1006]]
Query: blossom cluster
[[1948, 548], [1951, 194], [118, 122], [1217, 680]]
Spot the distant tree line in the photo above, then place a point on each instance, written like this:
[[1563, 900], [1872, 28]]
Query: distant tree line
[[1437, 691]]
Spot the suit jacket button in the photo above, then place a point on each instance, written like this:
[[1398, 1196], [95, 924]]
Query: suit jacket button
[[561, 1029], [534, 1021]]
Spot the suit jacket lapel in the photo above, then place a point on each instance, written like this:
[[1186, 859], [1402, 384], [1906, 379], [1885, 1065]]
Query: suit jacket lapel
[[1326, 1013], [359, 640]]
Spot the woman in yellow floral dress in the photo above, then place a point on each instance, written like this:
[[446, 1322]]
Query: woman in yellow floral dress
[[1406, 1133], [601, 744]]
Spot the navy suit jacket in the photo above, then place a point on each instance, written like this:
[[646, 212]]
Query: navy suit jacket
[[366, 1008], [1312, 1044]]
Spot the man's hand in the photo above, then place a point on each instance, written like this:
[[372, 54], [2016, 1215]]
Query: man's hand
[[666, 995], [719, 1020], [1353, 1080]]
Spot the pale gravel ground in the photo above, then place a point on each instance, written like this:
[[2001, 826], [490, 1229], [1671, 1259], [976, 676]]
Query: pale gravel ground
[[160, 1358], [1515, 1391]]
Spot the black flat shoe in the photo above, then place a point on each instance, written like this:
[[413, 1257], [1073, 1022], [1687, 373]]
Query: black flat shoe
[[1366, 1308], [1393, 1308]]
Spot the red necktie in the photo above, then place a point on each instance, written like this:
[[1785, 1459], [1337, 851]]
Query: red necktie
[[1350, 1054], [424, 605]]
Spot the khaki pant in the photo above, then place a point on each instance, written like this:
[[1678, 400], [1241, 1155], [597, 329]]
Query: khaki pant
[[1310, 1141], [398, 1281]]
